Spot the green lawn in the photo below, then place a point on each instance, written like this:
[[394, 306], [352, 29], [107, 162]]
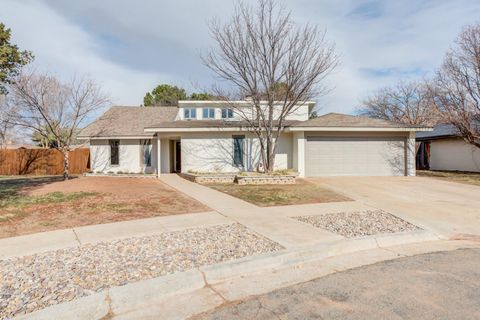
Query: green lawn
[[456, 176], [302, 192]]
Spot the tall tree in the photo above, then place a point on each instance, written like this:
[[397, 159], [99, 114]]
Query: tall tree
[[164, 95], [456, 86], [201, 96], [261, 49], [50, 108], [12, 59], [406, 102]]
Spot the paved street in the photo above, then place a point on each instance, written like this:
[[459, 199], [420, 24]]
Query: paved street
[[442, 285]]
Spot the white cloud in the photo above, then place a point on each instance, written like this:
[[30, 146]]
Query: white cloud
[[64, 49], [130, 46]]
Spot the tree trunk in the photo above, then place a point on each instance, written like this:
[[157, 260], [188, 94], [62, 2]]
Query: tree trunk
[[270, 154], [66, 164]]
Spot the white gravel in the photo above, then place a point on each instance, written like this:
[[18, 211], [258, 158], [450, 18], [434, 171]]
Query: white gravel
[[34, 282], [358, 224]]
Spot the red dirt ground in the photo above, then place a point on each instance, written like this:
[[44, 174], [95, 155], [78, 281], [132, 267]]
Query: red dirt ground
[[115, 199]]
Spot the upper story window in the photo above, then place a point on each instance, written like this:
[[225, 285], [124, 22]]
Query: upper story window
[[227, 113], [189, 113], [208, 113]]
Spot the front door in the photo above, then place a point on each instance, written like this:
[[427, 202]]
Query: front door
[[178, 157]]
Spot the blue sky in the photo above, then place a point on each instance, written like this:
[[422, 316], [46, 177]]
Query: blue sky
[[130, 46]]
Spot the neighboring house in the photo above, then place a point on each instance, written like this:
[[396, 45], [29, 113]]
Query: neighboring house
[[444, 149], [207, 136]]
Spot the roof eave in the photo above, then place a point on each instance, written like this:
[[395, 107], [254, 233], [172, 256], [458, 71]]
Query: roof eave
[[115, 137], [349, 129]]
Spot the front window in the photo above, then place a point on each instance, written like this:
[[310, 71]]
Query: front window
[[114, 155], [238, 151], [146, 155], [227, 113], [208, 113], [190, 113]]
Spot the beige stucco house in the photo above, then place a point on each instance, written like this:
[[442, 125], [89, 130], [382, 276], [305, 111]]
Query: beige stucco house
[[444, 149], [208, 136]]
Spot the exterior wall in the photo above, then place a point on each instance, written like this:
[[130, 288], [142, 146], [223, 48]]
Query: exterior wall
[[129, 156], [298, 154], [455, 155], [410, 155], [164, 156], [213, 152]]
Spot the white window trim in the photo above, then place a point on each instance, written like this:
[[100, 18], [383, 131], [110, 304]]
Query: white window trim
[[210, 111], [227, 111], [189, 111]]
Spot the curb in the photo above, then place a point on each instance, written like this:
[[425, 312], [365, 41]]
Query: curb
[[184, 294]]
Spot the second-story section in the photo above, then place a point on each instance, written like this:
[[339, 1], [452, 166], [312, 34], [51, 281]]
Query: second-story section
[[236, 110]]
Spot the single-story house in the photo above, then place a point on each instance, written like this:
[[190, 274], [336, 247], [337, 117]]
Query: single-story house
[[444, 149], [208, 136]]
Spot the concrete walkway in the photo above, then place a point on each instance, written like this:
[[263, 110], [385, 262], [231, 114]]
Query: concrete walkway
[[59, 239], [272, 222]]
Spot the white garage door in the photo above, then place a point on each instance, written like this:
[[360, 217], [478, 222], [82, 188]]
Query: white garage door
[[335, 156]]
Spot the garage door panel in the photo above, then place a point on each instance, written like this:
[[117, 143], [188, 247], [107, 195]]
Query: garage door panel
[[355, 156]]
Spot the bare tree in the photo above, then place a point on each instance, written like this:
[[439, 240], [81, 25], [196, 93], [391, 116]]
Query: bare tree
[[456, 86], [7, 109], [263, 55], [406, 102], [46, 106]]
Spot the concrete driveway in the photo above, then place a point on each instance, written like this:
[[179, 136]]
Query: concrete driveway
[[429, 286], [449, 209]]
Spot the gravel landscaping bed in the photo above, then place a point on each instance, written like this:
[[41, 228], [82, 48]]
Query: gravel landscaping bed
[[34, 282], [358, 224]]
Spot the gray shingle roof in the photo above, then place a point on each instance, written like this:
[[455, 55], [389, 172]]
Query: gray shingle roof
[[440, 131], [131, 121], [345, 120], [128, 121]]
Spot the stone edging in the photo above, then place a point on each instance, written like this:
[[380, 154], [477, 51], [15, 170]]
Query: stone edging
[[229, 178]]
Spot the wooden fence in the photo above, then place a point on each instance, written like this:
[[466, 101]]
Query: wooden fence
[[42, 161]]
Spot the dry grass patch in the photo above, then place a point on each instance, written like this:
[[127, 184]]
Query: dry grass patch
[[302, 192], [455, 176], [36, 204]]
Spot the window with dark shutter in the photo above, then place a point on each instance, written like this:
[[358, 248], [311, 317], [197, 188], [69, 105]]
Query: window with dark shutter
[[146, 156], [238, 151], [114, 155]]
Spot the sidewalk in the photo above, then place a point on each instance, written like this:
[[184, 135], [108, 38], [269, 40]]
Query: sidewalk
[[272, 222], [59, 239]]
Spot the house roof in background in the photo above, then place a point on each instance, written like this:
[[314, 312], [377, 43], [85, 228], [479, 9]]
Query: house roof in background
[[345, 120], [440, 131], [128, 121]]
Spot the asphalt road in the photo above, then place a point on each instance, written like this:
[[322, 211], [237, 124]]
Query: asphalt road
[[444, 285]]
